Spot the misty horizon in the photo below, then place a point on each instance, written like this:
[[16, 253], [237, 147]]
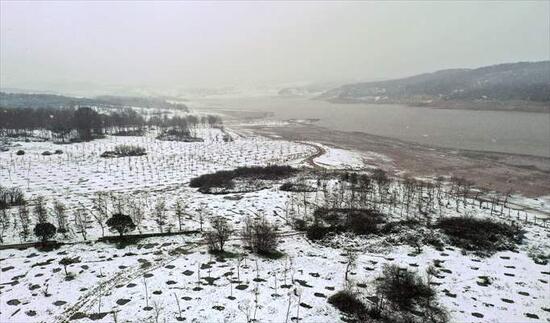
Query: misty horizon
[[94, 48]]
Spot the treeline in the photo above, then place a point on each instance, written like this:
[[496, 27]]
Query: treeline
[[66, 124], [43, 101], [142, 102], [84, 124]]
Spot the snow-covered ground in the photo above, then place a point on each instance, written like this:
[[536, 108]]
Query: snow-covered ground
[[145, 282], [336, 158]]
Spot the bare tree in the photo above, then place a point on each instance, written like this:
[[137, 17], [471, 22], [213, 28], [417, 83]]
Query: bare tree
[[61, 216], [351, 263], [179, 214], [137, 212], [220, 233], [160, 213], [201, 216], [81, 219], [4, 223], [101, 210], [23, 213], [119, 202], [40, 211]]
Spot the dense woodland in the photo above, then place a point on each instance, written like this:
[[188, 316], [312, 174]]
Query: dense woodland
[[83, 124]]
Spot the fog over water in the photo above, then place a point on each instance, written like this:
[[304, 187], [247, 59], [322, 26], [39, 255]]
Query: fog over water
[[510, 132]]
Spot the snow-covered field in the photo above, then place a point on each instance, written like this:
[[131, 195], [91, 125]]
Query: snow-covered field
[[167, 279]]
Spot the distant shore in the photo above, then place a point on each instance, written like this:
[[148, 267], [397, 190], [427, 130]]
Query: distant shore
[[475, 105]]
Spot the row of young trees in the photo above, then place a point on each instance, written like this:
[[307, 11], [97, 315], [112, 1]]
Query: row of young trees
[[120, 213], [408, 198]]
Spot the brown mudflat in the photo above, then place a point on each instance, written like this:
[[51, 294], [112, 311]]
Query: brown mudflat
[[502, 172]]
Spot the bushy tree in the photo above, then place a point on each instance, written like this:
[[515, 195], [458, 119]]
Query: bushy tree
[[44, 231], [121, 223]]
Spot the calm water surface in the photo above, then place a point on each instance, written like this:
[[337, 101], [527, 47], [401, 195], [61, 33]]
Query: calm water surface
[[511, 132]]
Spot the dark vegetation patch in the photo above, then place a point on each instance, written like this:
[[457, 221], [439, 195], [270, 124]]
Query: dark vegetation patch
[[183, 135], [124, 151], [409, 294], [404, 288], [401, 296], [483, 236], [349, 303], [226, 179], [337, 220], [130, 132], [296, 187]]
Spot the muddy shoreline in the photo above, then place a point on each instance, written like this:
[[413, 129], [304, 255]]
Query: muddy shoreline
[[502, 172]]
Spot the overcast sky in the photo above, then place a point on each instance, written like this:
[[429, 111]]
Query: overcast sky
[[52, 45]]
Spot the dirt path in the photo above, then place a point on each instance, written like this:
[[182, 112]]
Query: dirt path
[[311, 159]]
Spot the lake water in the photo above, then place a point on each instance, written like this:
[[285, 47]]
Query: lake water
[[511, 132]]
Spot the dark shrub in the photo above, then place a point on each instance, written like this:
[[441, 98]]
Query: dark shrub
[[348, 302], [318, 232], [108, 154], [124, 151], [484, 235], [222, 179], [299, 224], [286, 187], [358, 221], [20, 153], [404, 288], [178, 135], [364, 221], [272, 172], [129, 150], [396, 227], [44, 231], [133, 132], [225, 179], [296, 187]]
